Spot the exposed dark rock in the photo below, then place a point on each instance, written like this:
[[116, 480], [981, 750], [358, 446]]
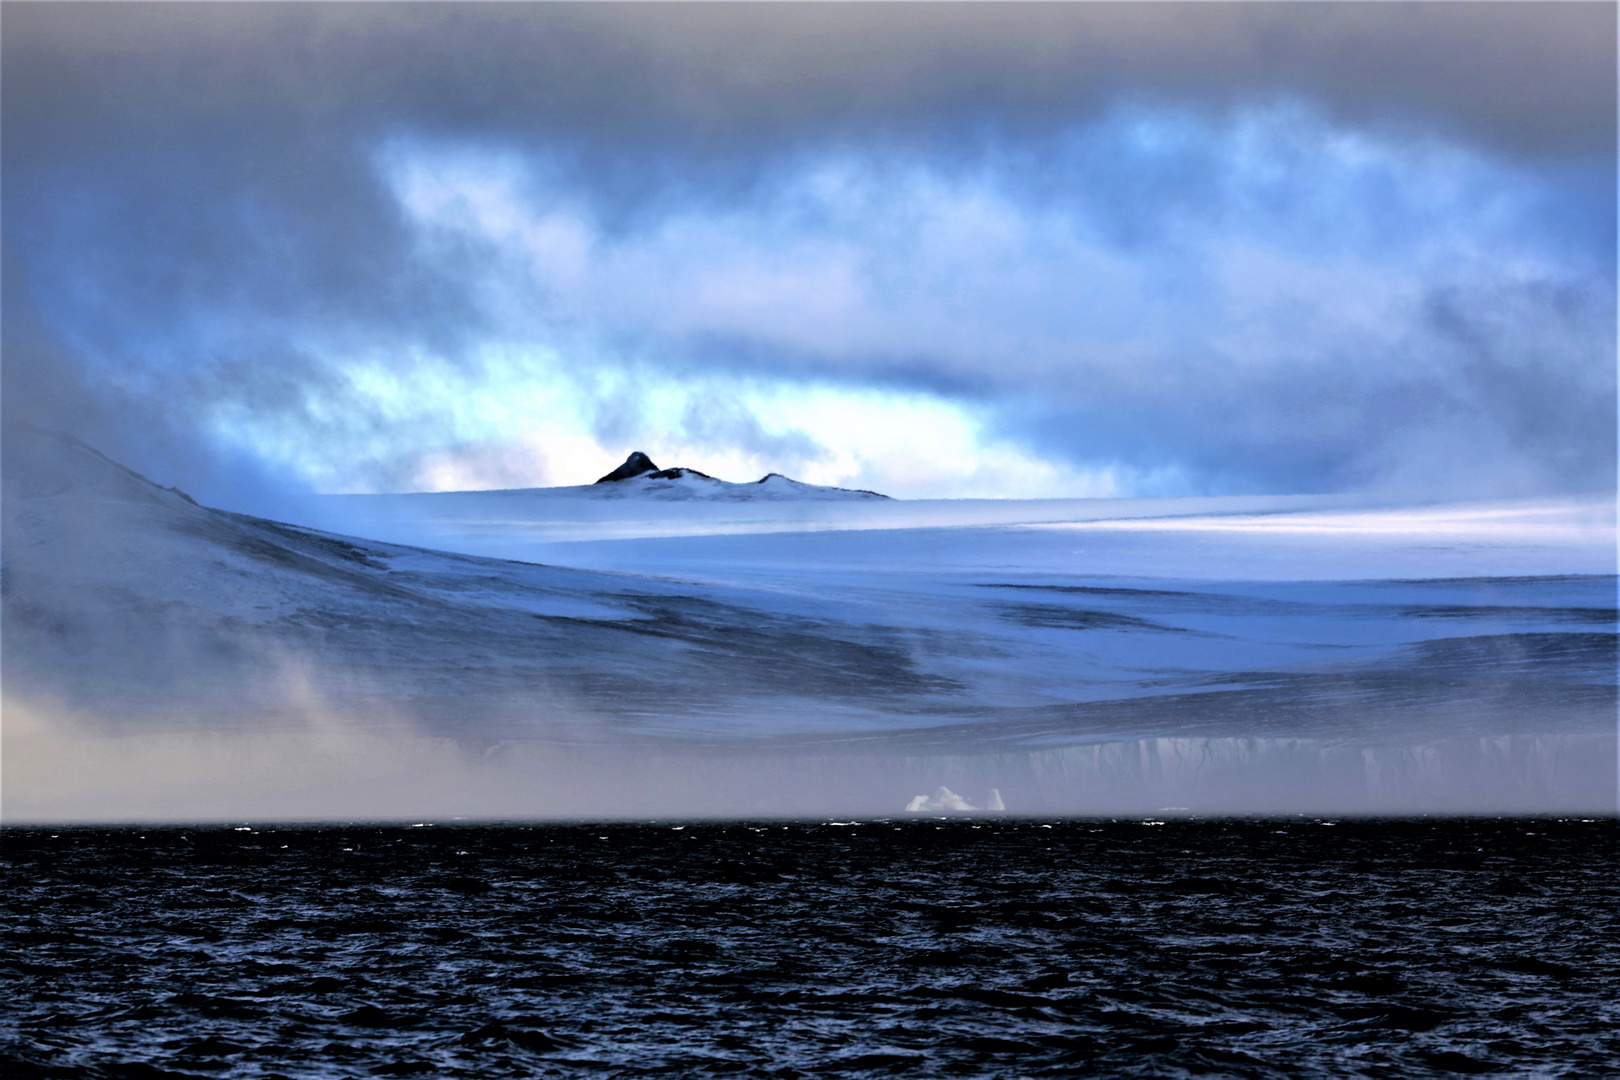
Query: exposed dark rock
[[639, 464], [677, 473], [634, 465]]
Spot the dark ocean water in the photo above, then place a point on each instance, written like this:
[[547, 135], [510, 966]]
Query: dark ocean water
[[921, 948]]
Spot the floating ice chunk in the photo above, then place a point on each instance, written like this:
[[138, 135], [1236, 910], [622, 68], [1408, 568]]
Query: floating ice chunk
[[943, 799]]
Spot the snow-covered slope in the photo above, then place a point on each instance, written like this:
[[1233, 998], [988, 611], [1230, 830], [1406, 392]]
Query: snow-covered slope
[[639, 477], [689, 485], [958, 644], [134, 601]]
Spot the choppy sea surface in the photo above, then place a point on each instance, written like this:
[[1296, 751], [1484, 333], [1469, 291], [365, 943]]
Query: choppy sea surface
[[932, 947]]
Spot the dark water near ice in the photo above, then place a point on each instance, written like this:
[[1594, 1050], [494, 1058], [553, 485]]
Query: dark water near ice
[[917, 948]]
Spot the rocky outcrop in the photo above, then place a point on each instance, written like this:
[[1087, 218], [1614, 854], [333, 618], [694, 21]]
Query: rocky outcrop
[[637, 464], [771, 485]]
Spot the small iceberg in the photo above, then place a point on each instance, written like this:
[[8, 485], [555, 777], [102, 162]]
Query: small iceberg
[[947, 800]]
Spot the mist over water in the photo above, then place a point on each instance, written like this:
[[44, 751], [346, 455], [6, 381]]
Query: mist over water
[[1232, 254], [57, 773], [171, 662]]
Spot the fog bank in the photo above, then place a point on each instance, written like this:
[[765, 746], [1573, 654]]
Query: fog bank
[[61, 771]]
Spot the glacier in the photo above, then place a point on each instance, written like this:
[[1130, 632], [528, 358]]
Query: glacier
[[757, 650]]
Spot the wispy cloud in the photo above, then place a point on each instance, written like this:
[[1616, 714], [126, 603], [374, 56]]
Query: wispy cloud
[[1157, 302], [1121, 249]]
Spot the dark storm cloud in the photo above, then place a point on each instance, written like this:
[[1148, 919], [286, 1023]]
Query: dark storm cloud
[[1534, 78], [191, 190]]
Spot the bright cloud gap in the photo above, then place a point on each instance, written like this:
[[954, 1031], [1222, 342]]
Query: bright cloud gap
[[1159, 302]]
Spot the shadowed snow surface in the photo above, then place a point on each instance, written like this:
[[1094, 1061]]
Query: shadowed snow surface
[[838, 666]]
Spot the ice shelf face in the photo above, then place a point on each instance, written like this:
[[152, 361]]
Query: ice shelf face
[[1225, 654]]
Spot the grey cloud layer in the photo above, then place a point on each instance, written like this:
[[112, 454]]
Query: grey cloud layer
[[195, 179], [1535, 77]]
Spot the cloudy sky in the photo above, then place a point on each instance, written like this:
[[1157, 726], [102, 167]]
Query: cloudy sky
[[955, 250]]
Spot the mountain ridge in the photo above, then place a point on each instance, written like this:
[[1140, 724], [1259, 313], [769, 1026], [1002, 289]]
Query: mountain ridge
[[638, 466]]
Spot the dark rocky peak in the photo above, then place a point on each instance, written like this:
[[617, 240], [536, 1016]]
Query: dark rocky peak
[[639, 465], [676, 473], [634, 465]]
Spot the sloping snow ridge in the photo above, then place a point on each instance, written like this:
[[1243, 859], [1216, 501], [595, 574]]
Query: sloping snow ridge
[[640, 478], [1076, 657]]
